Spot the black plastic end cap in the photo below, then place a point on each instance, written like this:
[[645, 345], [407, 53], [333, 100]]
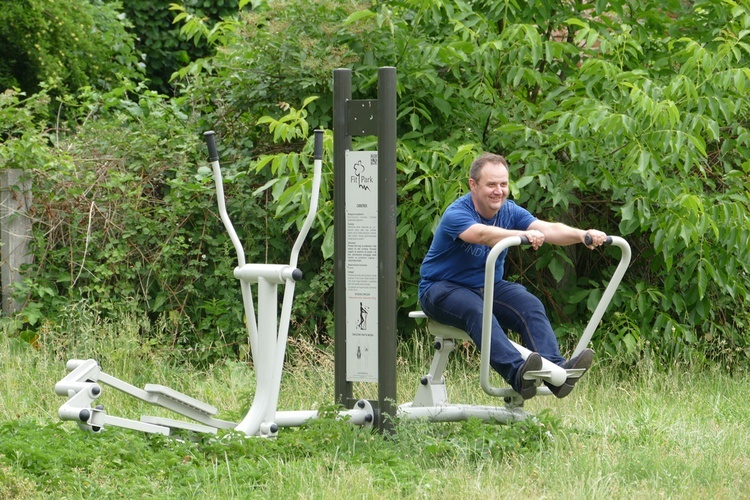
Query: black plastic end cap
[[213, 154], [588, 241], [424, 381], [84, 415], [274, 428], [368, 418], [318, 150], [297, 275]]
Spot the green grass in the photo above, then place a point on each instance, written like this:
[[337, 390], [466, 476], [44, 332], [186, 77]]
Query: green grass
[[648, 432]]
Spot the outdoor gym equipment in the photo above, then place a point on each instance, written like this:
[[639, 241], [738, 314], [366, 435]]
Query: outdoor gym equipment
[[364, 283], [267, 337], [431, 399]]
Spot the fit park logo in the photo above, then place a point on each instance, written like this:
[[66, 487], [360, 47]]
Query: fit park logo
[[359, 178]]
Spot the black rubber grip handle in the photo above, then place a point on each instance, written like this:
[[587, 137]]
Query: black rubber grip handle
[[588, 241], [318, 151], [213, 154]]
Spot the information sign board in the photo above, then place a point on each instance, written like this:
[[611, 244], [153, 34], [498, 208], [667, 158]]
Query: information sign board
[[362, 266]]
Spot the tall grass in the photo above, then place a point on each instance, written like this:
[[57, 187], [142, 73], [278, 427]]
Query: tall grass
[[652, 431]]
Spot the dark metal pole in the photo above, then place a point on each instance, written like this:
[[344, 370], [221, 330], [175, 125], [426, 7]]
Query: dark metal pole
[[387, 258], [342, 141]]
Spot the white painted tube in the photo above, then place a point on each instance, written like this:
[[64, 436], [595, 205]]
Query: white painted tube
[[609, 292]]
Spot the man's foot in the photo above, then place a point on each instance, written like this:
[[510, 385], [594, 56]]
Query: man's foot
[[527, 388], [581, 362]]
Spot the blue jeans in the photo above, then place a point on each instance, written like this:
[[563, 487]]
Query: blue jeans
[[513, 308]]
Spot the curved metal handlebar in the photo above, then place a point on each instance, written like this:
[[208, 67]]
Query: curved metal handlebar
[[489, 292], [213, 157], [609, 292], [268, 336], [317, 174]]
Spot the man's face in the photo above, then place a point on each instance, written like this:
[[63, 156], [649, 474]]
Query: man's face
[[491, 191]]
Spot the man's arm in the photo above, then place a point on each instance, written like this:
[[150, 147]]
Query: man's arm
[[481, 234], [537, 233], [558, 233]]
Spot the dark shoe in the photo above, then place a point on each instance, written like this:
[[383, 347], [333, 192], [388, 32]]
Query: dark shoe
[[527, 388], [581, 362]]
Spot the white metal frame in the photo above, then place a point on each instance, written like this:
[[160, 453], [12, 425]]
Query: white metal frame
[[267, 336], [431, 399]]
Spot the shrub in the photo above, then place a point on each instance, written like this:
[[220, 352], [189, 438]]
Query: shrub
[[124, 220], [158, 39], [627, 117], [68, 45]]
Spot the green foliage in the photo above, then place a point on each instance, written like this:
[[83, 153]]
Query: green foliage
[[662, 145], [24, 132], [124, 220], [66, 44], [617, 423], [34, 454], [626, 117], [159, 39], [259, 69], [630, 117]]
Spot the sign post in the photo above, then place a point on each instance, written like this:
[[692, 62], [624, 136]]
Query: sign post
[[365, 243]]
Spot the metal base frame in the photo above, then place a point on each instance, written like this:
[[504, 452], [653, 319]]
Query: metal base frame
[[83, 387]]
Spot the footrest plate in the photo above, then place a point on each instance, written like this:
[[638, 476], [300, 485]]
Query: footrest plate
[[537, 374], [575, 372]]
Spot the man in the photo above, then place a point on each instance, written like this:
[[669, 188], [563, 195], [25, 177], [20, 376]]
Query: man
[[452, 276]]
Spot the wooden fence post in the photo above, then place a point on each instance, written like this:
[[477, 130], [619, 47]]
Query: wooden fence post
[[15, 232]]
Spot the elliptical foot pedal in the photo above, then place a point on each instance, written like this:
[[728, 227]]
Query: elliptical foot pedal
[[160, 391], [178, 424]]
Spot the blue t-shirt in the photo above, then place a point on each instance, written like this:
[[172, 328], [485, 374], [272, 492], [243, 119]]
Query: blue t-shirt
[[452, 259]]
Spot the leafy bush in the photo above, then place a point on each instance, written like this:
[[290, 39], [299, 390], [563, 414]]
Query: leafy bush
[[124, 220], [65, 44], [24, 131], [159, 39], [605, 124], [627, 117]]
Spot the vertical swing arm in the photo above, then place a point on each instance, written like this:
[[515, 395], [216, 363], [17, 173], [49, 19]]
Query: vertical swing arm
[[609, 292], [247, 295], [286, 305], [487, 316]]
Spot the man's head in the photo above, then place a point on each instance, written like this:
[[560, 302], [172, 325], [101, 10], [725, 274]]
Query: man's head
[[488, 181], [477, 165]]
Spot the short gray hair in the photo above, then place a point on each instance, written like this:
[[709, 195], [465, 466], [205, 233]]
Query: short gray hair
[[477, 165]]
